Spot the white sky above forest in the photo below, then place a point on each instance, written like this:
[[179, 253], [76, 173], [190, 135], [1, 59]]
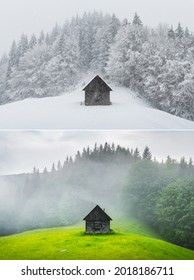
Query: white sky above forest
[[31, 16], [22, 150]]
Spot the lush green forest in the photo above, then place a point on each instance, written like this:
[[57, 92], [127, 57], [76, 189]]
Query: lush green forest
[[123, 181], [162, 195]]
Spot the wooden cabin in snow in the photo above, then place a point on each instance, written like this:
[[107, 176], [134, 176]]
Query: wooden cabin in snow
[[97, 221], [97, 92]]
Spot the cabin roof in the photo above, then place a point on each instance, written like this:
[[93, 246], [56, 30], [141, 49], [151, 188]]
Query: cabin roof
[[97, 214], [97, 84]]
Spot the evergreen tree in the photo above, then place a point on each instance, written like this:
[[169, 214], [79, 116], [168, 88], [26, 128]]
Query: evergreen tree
[[183, 167], [41, 38], [136, 154], [78, 157], [190, 167], [137, 20], [67, 160], [22, 48], [113, 148], [53, 169], [29, 79], [4, 59], [62, 70], [170, 161], [45, 171], [171, 33], [176, 205], [47, 39], [54, 34], [125, 22], [179, 32], [12, 62], [103, 40], [3, 80], [70, 160], [187, 32], [147, 154], [33, 41], [126, 61], [59, 166]]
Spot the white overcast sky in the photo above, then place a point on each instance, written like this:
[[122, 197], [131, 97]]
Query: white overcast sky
[[21, 151], [30, 16]]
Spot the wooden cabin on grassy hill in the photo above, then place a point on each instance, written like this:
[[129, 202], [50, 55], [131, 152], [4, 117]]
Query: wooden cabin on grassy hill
[[97, 92], [97, 222]]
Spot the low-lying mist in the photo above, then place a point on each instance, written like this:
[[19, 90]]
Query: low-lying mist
[[64, 195]]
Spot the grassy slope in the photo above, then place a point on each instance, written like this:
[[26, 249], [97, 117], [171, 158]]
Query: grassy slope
[[130, 240]]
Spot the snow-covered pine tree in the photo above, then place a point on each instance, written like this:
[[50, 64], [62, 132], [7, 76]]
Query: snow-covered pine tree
[[126, 59], [179, 32], [54, 34], [41, 38], [32, 42], [3, 72], [137, 20], [62, 69], [29, 79], [104, 38], [15, 54], [47, 39], [182, 101], [171, 33], [86, 40], [21, 48], [12, 61]]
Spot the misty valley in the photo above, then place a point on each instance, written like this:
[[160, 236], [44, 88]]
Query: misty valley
[[124, 182]]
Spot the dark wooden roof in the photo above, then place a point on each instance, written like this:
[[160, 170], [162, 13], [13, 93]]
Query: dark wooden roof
[[97, 214], [97, 84]]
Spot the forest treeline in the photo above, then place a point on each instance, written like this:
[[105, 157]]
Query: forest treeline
[[156, 63], [124, 181]]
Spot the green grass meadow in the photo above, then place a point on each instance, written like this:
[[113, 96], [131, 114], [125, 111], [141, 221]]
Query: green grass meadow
[[128, 241]]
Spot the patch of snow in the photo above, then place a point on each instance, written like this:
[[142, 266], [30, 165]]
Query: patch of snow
[[66, 112]]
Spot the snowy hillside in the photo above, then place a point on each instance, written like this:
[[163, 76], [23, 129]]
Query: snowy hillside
[[68, 112], [157, 63]]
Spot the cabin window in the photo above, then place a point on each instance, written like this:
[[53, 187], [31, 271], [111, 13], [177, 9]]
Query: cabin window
[[97, 225]]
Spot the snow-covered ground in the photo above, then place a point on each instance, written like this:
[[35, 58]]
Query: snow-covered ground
[[66, 112]]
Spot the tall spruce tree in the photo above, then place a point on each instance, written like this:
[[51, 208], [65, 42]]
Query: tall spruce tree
[[137, 20], [33, 41], [147, 154], [179, 32]]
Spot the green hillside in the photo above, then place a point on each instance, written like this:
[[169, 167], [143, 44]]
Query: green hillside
[[129, 240]]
